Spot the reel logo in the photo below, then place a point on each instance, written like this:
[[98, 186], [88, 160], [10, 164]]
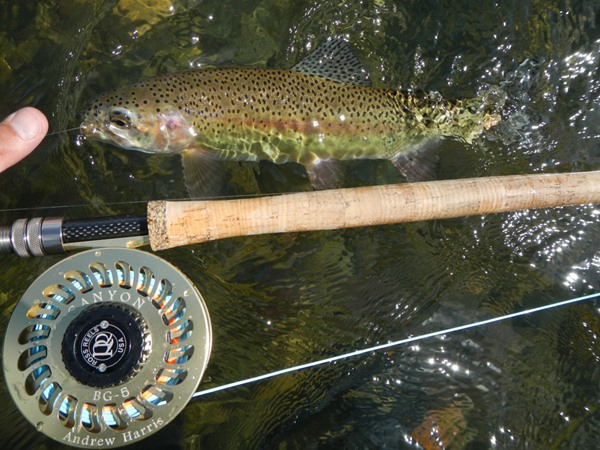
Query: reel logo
[[103, 346]]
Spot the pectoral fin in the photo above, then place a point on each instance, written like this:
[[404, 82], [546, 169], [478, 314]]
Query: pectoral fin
[[325, 174], [203, 175]]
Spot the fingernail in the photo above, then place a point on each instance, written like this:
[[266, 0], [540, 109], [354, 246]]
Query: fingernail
[[24, 126]]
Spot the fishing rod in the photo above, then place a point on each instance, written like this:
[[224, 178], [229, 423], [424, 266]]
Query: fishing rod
[[171, 224], [108, 345]]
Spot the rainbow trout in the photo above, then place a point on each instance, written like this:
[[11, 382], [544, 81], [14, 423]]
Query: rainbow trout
[[316, 113]]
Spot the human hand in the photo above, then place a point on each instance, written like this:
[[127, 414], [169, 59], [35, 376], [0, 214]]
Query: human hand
[[20, 133]]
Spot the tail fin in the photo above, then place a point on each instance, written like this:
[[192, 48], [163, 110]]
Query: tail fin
[[492, 100], [518, 83], [515, 88], [514, 92]]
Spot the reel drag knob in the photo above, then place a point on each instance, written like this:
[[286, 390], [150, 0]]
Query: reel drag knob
[[105, 345]]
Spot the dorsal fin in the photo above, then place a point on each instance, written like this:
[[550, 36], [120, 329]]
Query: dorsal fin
[[335, 61]]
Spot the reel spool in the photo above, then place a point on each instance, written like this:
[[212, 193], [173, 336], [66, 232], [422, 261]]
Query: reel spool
[[106, 347]]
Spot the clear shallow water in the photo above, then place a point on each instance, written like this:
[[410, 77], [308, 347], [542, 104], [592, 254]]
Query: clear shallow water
[[276, 301]]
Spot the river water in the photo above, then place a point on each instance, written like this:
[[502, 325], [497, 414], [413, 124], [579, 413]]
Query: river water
[[277, 301]]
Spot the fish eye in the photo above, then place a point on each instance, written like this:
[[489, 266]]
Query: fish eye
[[120, 118]]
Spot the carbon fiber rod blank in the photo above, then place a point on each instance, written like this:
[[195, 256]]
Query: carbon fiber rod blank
[[47, 236]]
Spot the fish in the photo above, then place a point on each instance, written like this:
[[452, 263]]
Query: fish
[[317, 113]]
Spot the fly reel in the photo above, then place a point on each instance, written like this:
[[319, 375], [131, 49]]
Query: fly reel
[[106, 347]]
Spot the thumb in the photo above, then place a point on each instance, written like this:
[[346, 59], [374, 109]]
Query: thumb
[[20, 133]]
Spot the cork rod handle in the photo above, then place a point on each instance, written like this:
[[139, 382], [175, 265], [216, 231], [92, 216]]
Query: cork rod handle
[[173, 224]]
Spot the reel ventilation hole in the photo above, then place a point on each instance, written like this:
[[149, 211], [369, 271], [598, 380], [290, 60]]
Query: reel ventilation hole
[[106, 347]]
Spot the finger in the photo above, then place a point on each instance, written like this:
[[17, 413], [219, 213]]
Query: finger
[[20, 133]]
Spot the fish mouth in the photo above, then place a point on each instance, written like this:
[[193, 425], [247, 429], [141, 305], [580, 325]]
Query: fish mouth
[[104, 133], [89, 130], [95, 132]]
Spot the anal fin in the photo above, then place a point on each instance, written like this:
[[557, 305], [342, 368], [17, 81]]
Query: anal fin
[[420, 164]]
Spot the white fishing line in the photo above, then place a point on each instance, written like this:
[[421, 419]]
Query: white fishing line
[[68, 130], [79, 206], [137, 202], [394, 344]]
